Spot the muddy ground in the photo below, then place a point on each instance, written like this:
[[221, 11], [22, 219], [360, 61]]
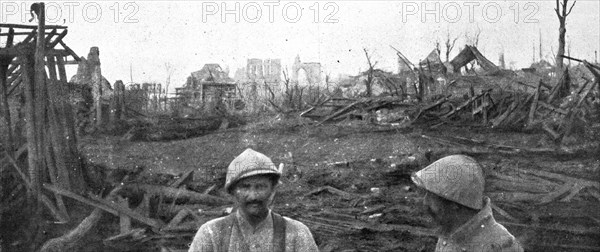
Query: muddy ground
[[360, 159]]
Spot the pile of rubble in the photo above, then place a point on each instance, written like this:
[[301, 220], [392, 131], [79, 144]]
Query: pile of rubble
[[552, 109]]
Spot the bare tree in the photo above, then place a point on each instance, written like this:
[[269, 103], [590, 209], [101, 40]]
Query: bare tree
[[450, 44], [562, 14], [369, 80], [438, 47], [170, 69]]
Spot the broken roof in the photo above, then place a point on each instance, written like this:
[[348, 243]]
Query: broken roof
[[433, 58], [212, 73], [468, 54]]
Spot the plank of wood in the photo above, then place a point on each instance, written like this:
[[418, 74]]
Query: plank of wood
[[534, 105], [595, 194], [512, 185], [210, 189], [554, 195], [107, 206], [561, 177], [21, 26], [339, 112], [515, 196], [186, 177], [500, 119], [432, 106], [156, 223], [124, 220], [80, 198], [502, 212], [551, 132], [178, 218], [463, 105], [574, 191], [70, 51]]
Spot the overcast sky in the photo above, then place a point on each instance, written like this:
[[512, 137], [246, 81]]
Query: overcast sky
[[189, 34]]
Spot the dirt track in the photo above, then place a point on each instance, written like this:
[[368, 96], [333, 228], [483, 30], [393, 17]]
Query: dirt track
[[358, 159]]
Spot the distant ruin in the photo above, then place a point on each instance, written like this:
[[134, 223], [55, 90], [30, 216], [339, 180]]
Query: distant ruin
[[312, 71]]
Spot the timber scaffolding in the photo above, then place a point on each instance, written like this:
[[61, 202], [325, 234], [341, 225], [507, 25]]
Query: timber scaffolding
[[32, 66]]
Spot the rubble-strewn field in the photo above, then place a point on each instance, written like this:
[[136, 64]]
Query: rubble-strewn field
[[349, 183]]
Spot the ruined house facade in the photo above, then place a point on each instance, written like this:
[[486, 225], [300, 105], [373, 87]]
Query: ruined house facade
[[209, 84]]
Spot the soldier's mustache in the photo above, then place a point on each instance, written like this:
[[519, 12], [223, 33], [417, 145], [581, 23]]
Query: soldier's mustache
[[258, 202]]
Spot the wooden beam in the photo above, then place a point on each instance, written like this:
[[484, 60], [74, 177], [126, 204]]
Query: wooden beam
[[36, 167], [10, 38], [5, 108], [62, 73], [533, 107], [50, 35], [21, 26], [51, 64], [124, 220], [30, 36], [17, 34], [58, 39], [106, 205], [68, 49], [15, 84], [186, 177], [552, 108]]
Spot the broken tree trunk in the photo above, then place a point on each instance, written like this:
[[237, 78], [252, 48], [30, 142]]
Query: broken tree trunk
[[68, 241]]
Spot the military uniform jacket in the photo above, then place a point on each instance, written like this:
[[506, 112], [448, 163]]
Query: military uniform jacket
[[228, 235], [480, 234]]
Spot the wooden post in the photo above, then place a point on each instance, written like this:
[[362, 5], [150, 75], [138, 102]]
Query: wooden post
[[485, 105], [124, 220], [9, 143], [69, 117], [56, 129], [533, 107], [33, 73]]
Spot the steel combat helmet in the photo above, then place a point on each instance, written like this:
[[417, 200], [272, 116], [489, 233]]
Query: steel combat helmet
[[458, 178], [247, 164]]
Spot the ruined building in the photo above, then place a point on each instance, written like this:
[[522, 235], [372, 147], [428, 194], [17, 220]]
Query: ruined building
[[268, 70], [208, 84], [306, 73]]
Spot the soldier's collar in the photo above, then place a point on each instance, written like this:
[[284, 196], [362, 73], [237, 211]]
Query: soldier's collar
[[474, 225], [246, 227]]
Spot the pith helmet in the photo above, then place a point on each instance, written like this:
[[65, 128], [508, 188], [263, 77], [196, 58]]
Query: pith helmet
[[457, 178], [247, 164]]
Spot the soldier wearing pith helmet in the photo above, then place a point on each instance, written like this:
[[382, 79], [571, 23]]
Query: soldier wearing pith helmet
[[453, 188], [252, 179]]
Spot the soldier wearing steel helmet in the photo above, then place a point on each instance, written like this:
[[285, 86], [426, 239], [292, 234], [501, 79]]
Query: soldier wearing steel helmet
[[454, 198], [252, 180]]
